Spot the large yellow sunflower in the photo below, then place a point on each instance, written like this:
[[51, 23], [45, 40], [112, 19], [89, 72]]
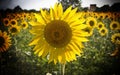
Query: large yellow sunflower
[[5, 41], [116, 38], [58, 34]]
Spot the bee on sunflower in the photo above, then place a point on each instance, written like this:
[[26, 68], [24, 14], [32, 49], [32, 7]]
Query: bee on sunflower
[[58, 34], [5, 41]]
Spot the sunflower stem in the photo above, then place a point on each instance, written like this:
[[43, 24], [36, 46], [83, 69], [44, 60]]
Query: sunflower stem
[[63, 69]]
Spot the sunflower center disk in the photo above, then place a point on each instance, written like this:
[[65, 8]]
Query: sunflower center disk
[[13, 23], [114, 26], [117, 38], [103, 31], [91, 23], [13, 30], [6, 22], [2, 41], [57, 33], [100, 26], [24, 25]]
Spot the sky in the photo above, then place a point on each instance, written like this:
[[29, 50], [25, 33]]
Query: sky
[[86, 3], [27, 4], [37, 4]]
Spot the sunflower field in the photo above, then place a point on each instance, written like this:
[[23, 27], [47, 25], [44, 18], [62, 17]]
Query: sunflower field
[[60, 42]]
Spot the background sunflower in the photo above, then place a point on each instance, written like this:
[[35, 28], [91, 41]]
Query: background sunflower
[[5, 41], [24, 25], [115, 38], [6, 21], [13, 22], [91, 21], [114, 25], [100, 25], [14, 29], [103, 31]]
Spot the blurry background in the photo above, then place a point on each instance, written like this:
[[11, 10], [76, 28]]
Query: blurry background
[[31, 4]]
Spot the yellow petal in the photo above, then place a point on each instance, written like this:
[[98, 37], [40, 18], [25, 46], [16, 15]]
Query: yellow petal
[[56, 11], [60, 11], [32, 23], [37, 50], [79, 27], [45, 16], [41, 51], [51, 13], [34, 42], [40, 19], [74, 48], [72, 13], [59, 58], [77, 22], [80, 33], [66, 13]]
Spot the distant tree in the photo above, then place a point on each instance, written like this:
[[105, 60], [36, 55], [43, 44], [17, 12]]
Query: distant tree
[[105, 8], [85, 9], [74, 3], [115, 7], [17, 9], [8, 10]]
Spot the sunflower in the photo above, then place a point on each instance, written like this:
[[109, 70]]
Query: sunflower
[[100, 25], [116, 38], [24, 25], [5, 41], [108, 15], [58, 34], [29, 17], [6, 22], [114, 25], [96, 15], [13, 22], [92, 22], [24, 15], [8, 16], [89, 30], [103, 31], [102, 16], [14, 29]]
